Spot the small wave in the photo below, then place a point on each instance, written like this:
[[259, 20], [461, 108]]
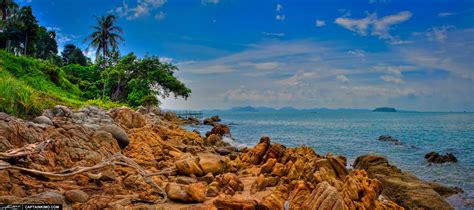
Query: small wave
[[232, 142]]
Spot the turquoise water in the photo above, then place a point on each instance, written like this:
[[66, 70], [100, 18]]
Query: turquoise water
[[355, 133]]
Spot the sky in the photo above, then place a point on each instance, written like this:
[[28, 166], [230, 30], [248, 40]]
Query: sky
[[412, 55]]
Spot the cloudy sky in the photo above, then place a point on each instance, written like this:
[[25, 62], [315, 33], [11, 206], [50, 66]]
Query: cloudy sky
[[416, 55]]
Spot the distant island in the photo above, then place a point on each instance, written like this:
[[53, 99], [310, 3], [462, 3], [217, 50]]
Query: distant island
[[385, 109]]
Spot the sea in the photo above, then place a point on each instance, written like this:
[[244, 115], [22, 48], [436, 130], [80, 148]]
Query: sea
[[355, 133]]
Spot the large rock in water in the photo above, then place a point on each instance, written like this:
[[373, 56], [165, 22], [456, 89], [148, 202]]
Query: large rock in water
[[434, 157], [403, 188], [118, 133]]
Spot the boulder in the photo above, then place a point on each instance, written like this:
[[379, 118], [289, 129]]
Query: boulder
[[228, 183], [255, 155], [324, 196], [61, 111], [268, 166], [118, 133], [219, 129], [211, 120], [128, 118], [189, 165], [197, 191], [78, 196], [214, 164], [43, 120], [434, 157], [389, 139], [177, 192], [401, 187]]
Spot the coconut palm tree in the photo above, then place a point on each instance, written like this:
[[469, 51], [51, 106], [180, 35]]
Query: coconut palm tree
[[105, 38]]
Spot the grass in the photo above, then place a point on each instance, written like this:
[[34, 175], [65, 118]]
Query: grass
[[28, 86]]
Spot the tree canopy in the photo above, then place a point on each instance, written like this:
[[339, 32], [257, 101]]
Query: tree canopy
[[73, 55]]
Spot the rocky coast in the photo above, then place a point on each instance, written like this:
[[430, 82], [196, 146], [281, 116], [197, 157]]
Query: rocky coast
[[91, 158]]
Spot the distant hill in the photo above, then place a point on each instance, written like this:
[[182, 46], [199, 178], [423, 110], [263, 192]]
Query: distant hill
[[385, 109], [243, 109], [288, 109]]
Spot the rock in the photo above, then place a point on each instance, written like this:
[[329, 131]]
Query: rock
[[434, 157], [279, 170], [43, 120], [403, 188], [44, 198], [185, 180], [255, 155], [78, 196], [118, 133], [228, 203], [197, 191], [211, 120], [275, 151], [258, 185], [324, 196], [177, 192], [212, 191], [389, 139], [61, 111], [268, 166], [272, 181], [188, 166], [224, 150], [229, 183], [128, 118], [219, 129], [208, 178], [214, 164]]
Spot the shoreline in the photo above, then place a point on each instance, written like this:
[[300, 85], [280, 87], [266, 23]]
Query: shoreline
[[194, 171]]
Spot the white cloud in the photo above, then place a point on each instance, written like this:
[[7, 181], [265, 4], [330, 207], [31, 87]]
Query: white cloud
[[279, 7], [357, 52], [165, 59], [210, 1], [273, 34], [388, 78], [320, 23], [439, 34], [342, 78], [446, 14], [267, 65], [160, 16], [377, 26], [280, 17], [142, 8]]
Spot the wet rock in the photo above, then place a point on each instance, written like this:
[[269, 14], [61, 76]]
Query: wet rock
[[403, 188], [43, 120], [188, 166], [74, 196], [219, 129], [224, 150], [389, 139], [211, 120], [434, 157], [118, 133]]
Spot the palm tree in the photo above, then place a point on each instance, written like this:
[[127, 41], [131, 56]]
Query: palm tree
[[5, 8], [105, 38]]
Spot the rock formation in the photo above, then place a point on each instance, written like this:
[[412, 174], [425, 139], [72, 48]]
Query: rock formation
[[92, 159]]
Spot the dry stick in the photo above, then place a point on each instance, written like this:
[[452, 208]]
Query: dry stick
[[106, 162]]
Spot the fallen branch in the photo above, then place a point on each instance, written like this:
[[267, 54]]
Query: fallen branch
[[116, 159]]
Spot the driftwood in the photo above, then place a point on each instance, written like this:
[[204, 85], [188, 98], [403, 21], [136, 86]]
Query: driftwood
[[116, 159], [24, 151]]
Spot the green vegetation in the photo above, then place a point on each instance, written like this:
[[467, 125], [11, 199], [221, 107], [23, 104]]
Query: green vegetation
[[34, 77]]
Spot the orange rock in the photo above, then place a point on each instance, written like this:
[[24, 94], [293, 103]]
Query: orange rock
[[255, 155]]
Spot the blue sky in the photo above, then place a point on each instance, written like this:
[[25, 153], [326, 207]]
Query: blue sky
[[415, 55]]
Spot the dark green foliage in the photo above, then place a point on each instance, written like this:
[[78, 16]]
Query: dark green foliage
[[132, 80], [87, 78], [73, 55]]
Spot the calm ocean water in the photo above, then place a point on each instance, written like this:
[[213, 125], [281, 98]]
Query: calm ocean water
[[355, 133]]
